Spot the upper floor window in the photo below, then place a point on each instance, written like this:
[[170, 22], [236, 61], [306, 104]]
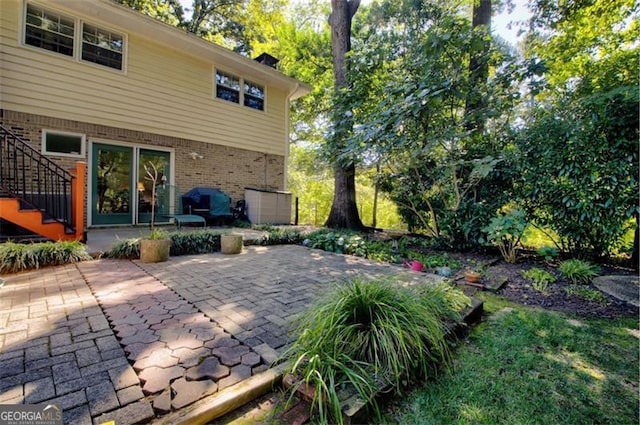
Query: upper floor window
[[227, 87], [63, 143], [58, 33], [101, 46], [49, 30], [253, 95], [235, 89]]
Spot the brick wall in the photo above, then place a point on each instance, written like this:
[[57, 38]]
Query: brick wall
[[229, 169]]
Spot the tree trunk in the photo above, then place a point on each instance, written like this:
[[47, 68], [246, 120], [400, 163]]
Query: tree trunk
[[376, 192], [344, 211], [478, 65], [635, 255]]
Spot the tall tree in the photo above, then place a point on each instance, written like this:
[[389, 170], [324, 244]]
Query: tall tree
[[344, 210], [478, 64], [220, 21]]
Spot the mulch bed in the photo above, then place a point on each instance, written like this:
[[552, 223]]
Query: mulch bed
[[519, 290]]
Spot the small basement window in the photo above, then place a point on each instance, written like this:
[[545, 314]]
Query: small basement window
[[227, 87], [63, 144]]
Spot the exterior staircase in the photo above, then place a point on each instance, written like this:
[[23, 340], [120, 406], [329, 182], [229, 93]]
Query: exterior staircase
[[38, 195]]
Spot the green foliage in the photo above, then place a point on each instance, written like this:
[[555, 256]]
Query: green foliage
[[434, 260], [15, 257], [578, 271], [197, 242], [587, 293], [550, 372], [411, 86], [540, 278], [124, 248], [281, 236], [505, 232], [579, 169], [547, 252], [579, 155], [370, 335], [157, 234], [182, 243], [345, 242]]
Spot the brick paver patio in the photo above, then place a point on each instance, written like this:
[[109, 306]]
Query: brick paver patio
[[117, 339]]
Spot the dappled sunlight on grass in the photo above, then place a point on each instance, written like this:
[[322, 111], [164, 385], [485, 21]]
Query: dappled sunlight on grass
[[574, 361], [472, 413], [527, 365]]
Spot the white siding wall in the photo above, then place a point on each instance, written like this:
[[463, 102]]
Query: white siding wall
[[163, 91]]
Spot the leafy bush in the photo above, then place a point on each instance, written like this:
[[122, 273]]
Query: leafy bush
[[345, 242], [15, 257], [434, 260], [281, 236], [579, 169], [124, 248], [547, 252], [578, 271], [182, 243], [540, 278], [198, 242], [368, 335], [505, 232]]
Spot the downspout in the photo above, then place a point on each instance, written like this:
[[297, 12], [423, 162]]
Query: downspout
[[286, 132]]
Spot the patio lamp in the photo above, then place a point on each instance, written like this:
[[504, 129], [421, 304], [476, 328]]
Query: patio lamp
[[140, 187]]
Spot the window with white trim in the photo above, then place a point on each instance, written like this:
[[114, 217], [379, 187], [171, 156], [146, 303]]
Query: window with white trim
[[49, 30], [61, 143], [253, 95], [227, 87], [56, 32], [101, 46], [235, 89]]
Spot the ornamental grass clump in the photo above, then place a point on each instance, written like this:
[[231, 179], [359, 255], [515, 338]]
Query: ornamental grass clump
[[15, 257], [370, 336], [578, 271]]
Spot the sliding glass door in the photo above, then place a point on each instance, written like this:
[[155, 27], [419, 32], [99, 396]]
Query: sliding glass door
[[120, 188]]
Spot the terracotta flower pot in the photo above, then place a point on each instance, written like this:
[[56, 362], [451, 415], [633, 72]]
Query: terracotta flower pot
[[472, 276]]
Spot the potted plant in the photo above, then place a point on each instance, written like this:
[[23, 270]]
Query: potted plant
[[156, 246], [472, 276]]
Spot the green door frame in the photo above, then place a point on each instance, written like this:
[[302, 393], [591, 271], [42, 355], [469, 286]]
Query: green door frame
[[116, 174]]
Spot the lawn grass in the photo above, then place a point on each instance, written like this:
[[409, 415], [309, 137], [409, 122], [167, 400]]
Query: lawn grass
[[530, 366]]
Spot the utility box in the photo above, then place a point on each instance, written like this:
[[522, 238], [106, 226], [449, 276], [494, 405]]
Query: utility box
[[268, 206]]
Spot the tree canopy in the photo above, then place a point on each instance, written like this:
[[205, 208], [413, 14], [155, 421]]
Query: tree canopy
[[456, 126]]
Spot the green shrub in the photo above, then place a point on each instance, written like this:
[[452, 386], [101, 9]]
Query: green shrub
[[182, 243], [586, 293], [380, 251], [15, 257], [578, 271], [124, 248], [539, 278], [547, 252], [281, 236], [344, 242], [367, 335], [197, 242], [505, 232], [434, 260]]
